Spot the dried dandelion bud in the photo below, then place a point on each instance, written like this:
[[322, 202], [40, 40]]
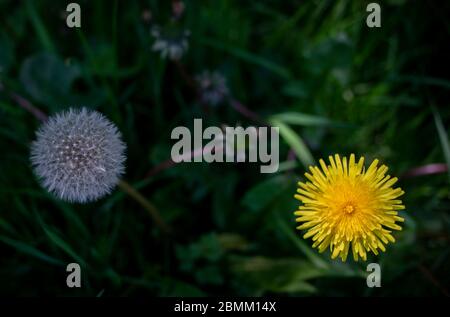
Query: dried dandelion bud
[[171, 43], [78, 155], [212, 87]]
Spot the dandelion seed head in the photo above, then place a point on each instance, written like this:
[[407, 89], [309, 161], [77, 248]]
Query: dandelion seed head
[[78, 155]]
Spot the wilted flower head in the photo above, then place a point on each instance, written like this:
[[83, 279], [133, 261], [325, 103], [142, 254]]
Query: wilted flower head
[[78, 155], [146, 16], [212, 86], [178, 8], [171, 43]]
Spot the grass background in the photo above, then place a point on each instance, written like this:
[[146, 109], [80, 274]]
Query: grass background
[[312, 67]]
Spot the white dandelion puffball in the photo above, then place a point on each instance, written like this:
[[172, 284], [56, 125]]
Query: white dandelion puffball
[[78, 155]]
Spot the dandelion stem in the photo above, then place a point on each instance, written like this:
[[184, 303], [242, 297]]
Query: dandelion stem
[[186, 76], [429, 169], [433, 280], [28, 106], [169, 163], [160, 167], [243, 110], [147, 205]]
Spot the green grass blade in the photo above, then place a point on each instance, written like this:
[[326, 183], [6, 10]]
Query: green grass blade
[[248, 57], [302, 119], [30, 250], [423, 80], [295, 141], [300, 244], [6, 226], [39, 26], [443, 136], [59, 242]]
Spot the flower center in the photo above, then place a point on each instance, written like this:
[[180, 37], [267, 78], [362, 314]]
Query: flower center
[[349, 209]]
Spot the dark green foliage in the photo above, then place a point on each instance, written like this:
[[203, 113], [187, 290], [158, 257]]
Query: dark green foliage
[[313, 68]]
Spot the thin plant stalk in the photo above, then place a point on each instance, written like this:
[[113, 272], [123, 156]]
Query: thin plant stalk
[[146, 204]]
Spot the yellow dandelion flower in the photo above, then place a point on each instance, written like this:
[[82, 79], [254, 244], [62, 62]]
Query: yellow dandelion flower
[[348, 207]]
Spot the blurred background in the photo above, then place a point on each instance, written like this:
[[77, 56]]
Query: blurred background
[[312, 68]]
